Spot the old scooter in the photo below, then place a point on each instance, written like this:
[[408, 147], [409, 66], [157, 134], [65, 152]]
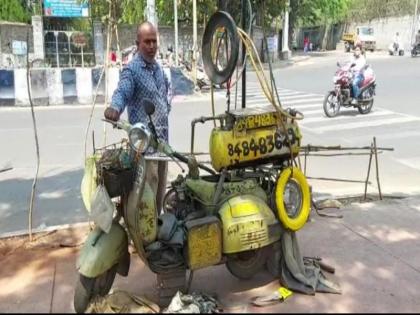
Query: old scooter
[[234, 216]]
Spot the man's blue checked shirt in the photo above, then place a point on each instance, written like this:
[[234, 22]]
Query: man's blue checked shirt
[[141, 80]]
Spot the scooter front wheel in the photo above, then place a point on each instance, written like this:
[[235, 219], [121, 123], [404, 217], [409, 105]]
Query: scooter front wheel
[[88, 288]]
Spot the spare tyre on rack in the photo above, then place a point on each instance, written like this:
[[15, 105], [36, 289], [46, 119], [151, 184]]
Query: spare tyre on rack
[[220, 24]]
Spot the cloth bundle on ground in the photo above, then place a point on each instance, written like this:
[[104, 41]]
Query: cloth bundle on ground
[[193, 303], [302, 275], [122, 302]]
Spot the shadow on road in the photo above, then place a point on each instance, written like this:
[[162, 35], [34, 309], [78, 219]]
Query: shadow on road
[[58, 201]]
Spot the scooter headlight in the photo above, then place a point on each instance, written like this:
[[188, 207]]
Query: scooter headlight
[[139, 137], [292, 198]]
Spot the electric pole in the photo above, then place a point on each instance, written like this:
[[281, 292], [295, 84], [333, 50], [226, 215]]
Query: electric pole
[[151, 12], [285, 49], [176, 31], [415, 22], [194, 55]]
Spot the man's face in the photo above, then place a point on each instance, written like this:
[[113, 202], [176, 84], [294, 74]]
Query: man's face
[[147, 43], [357, 52]]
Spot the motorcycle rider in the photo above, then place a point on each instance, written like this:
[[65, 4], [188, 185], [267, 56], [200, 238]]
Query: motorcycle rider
[[358, 63], [417, 38]]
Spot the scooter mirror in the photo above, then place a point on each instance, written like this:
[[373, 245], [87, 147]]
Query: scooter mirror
[[149, 107]]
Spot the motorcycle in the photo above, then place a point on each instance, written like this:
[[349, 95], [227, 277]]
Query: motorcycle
[[342, 95], [396, 49], [233, 216], [415, 50]]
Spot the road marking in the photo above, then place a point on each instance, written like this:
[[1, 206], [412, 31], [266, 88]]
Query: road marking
[[413, 162], [298, 107], [261, 95], [368, 116], [365, 124], [310, 105], [311, 112], [302, 101]]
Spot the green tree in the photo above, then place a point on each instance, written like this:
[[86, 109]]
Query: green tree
[[14, 11], [317, 12], [331, 11], [367, 10]]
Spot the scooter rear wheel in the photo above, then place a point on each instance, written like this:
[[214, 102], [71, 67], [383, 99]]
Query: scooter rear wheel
[[88, 288], [246, 264]]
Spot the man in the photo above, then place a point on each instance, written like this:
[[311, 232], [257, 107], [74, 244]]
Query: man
[[358, 62], [417, 38], [396, 41], [143, 78]]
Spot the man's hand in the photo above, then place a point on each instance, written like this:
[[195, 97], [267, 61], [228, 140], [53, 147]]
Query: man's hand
[[111, 114]]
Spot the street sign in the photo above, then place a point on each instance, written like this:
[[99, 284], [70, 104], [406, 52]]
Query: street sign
[[19, 47], [66, 8], [272, 43]]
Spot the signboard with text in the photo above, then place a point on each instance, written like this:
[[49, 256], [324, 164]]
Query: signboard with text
[[19, 47], [66, 8], [272, 43]]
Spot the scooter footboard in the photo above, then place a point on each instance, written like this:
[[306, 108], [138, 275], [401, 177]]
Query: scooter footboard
[[103, 250]]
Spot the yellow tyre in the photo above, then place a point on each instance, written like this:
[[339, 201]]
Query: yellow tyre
[[293, 200]]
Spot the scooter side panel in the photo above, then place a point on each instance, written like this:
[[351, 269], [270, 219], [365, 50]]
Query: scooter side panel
[[248, 223], [102, 250]]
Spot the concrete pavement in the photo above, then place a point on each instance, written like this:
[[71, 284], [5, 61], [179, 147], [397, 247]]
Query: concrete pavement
[[374, 249]]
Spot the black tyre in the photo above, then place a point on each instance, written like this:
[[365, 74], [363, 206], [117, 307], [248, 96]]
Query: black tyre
[[246, 264], [220, 20], [88, 288], [331, 104], [273, 263], [169, 201], [365, 108], [401, 53]]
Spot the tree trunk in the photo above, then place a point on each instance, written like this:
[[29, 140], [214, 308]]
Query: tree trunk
[[325, 37], [292, 20]]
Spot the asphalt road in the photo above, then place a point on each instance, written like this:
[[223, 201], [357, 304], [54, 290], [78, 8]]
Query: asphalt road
[[395, 121]]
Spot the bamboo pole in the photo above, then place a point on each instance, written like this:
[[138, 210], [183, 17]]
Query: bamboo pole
[[28, 80], [377, 168], [368, 174]]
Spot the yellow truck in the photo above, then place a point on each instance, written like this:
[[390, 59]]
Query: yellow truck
[[362, 35]]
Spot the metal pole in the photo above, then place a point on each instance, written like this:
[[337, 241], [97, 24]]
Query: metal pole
[[83, 60], [56, 49], [194, 56], [176, 31], [415, 22], [69, 45], [243, 56]]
